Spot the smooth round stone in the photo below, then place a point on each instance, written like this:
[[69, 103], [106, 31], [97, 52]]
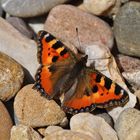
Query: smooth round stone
[[127, 122], [21, 26], [91, 29], [11, 77], [127, 29], [34, 110], [92, 125], [5, 123], [68, 135], [98, 7], [26, 48], [22, 132], [29, 8]]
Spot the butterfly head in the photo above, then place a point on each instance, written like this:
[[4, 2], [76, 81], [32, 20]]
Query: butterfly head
[[84, 59]]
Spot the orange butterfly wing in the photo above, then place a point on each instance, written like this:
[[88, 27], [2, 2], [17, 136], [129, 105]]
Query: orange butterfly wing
[[94, 90], [55, 59]]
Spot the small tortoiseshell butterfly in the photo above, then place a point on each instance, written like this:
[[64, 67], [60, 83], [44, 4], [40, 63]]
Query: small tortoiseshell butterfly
[[63, 72]]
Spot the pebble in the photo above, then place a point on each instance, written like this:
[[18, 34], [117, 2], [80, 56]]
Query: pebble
[[26, 48], [91, 29], [98, 7], [22, 132], [35, 110], [127, 29], [29, 8], [21, 26], [128, 124], [127, 63], [11, 77], [52, 129], [68, 135], [5, 123], [130, 67], [135, 133], [133, 77], [92, 125]]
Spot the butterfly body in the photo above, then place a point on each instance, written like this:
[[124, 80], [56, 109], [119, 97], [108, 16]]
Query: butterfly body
[[62, 72]]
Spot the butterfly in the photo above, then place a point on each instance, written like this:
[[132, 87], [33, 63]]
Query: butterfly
[[61, 71]]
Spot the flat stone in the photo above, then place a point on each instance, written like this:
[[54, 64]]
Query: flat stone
[[5, 123], [11, 77], [26, 48], [127, 123], [29, 8], [91, 29], [35, 110], [92, 125], [22, 132], [127, 29]]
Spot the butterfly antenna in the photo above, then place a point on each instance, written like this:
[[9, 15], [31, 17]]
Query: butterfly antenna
[[77, 33]]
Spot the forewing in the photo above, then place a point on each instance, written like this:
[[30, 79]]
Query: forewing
[[51, 50], [55, 60]]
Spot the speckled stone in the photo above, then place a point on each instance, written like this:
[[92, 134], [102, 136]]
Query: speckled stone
[[5, 123], [68, 135], [11, 77], [22, 132], [127, 29], [127, 63], [35, 110], [98, 7], [133, 77], [92, 125], [91, 29], [29, 8], [128, 121]]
